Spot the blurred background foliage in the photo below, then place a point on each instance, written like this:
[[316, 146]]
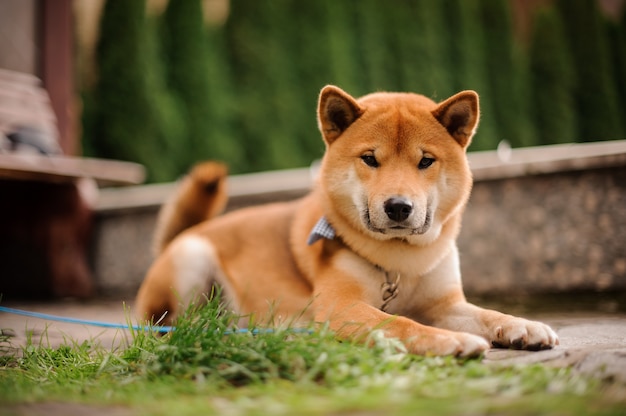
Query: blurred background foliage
[[171, 89]]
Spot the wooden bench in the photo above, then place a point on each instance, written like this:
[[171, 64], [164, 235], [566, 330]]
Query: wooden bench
[[46, 198]]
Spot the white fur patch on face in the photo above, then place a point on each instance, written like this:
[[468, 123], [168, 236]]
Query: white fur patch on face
[[358, 192], [195, 265], [351, 195]]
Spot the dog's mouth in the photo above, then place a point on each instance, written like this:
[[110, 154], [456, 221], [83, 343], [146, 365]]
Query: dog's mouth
[[398, 229]]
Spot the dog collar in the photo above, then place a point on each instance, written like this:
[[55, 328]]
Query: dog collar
[[389, 288], [322, 229]]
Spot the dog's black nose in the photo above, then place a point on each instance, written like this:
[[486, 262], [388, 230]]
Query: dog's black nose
[[398, 209]]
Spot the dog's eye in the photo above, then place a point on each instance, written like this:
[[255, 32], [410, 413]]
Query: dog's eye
[[425, 162], [370, 160]]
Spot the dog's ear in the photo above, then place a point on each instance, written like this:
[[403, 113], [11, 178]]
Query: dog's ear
[[459, 115], [336, 111]]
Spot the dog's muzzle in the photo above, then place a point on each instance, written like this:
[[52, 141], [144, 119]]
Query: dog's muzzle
[[400, 218]]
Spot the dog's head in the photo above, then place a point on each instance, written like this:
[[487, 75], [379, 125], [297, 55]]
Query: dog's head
[[395, 164]]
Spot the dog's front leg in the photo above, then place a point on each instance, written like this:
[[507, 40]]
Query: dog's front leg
[[342, 302], [441, 302], [500, 329]]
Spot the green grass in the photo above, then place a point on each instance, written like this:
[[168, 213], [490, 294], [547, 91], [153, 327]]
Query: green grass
[[199, 370]]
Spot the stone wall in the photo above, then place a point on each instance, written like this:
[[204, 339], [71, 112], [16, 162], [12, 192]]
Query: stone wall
[[563, 231], [549, 219]]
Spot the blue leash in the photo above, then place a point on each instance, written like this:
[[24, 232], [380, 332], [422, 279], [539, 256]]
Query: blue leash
[[48, 317], [151, 328]]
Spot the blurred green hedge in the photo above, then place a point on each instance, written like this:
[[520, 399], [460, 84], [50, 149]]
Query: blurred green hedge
[[172, 91]]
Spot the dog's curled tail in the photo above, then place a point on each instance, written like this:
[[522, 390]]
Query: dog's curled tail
[[201, 195]]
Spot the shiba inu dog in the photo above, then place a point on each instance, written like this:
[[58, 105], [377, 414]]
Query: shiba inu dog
[[372, 246]]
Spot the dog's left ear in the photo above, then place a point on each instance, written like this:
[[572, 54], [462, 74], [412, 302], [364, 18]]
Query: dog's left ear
[[336, 111], [459, 115]]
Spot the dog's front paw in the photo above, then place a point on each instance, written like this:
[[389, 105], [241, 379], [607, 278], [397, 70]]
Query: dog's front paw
[[468, 345], [457, 344], [522, 334]]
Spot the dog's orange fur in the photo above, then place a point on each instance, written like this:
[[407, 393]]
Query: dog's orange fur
[[393, 183]]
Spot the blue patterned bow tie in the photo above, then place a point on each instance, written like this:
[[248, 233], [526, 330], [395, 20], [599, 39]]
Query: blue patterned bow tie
[[321, 230]]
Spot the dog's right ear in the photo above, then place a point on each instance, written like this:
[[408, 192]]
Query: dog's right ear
[[336, 111]]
